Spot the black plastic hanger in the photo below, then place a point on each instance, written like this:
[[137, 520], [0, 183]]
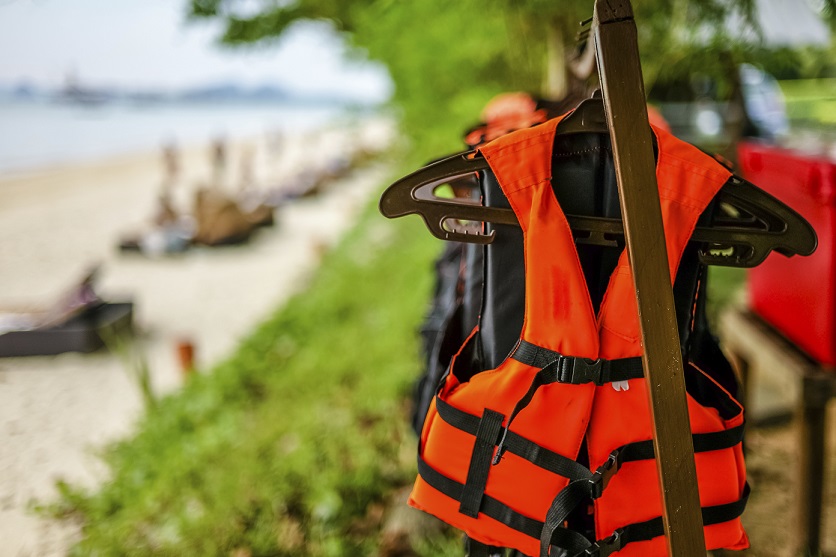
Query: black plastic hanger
[[587, 117], [749, 225]]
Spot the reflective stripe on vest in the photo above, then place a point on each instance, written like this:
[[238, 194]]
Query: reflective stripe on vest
[[498, 453]]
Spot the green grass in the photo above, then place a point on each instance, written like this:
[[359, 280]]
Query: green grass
[[811, 102], [726, 286], [289, 446]]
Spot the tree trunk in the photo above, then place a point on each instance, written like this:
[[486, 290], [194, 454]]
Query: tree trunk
[[556, 86], [736, 119]]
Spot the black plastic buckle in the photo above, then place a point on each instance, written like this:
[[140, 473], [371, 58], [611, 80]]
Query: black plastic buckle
[[578, 371], [607, 546], [602, 476]]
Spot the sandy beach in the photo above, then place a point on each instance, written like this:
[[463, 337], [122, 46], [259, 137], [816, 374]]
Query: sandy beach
[[54, 223]]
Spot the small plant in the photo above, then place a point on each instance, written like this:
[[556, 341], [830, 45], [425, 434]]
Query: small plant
[[129, 348]]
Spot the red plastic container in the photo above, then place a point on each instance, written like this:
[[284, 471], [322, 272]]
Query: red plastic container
[[797, 295]]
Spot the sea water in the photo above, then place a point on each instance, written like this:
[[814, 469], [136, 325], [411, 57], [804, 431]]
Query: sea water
[[39, 133]]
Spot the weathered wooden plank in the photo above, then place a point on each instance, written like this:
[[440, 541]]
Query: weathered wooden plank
[[758, 348], [621, 81]]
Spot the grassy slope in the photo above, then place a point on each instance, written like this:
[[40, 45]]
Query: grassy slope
[[286, 448]]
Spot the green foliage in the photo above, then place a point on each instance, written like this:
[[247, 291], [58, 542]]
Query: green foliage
[[447, 69], [131, 351], [287, 447], [811, 102], [447, 59], [797, 63], [726, 286]]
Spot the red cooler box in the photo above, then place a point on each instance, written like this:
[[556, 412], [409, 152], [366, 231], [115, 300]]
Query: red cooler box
[[797, 294]]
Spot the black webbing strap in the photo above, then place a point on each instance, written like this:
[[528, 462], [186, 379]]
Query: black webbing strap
[[570, 497], [567, 499], [480, 462], [703, 442], [557, 368], [516, 444], [491, 507], [584, 484], [543, 377], [649, 529], [568, 468], [564, 539], [475, 548], [577, 371], [566, 542]]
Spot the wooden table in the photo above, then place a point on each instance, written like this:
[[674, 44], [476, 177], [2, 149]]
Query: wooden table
[[761, 354]]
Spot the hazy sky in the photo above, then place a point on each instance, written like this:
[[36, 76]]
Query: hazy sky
[[148, 43]]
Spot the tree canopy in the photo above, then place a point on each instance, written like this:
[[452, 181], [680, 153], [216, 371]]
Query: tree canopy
[[447, 59]]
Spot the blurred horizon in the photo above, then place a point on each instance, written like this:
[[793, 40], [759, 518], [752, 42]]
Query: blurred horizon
[[152, 45], [86, 80], [45, 134]]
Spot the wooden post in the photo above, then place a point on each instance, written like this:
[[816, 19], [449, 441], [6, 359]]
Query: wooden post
[[185, 356], [811, 419], [775, 363], [624, 99]]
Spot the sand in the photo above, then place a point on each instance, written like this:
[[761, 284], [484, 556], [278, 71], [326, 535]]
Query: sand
[[56, 411]]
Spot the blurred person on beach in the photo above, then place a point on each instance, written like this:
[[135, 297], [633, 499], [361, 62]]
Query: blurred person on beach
[[246, 172], [218, 156], [171, 164]]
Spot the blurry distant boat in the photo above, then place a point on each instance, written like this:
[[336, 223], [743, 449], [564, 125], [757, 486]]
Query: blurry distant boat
[[75, 93], [82, 96], [232, 92]]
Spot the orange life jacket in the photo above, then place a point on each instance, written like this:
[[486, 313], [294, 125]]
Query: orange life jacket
[[499, 450]]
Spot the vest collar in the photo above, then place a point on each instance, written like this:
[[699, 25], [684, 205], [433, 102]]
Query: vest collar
[[559, 311]]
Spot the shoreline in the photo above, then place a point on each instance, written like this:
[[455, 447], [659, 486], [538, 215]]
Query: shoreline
[[47, 135], [55, 411]]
